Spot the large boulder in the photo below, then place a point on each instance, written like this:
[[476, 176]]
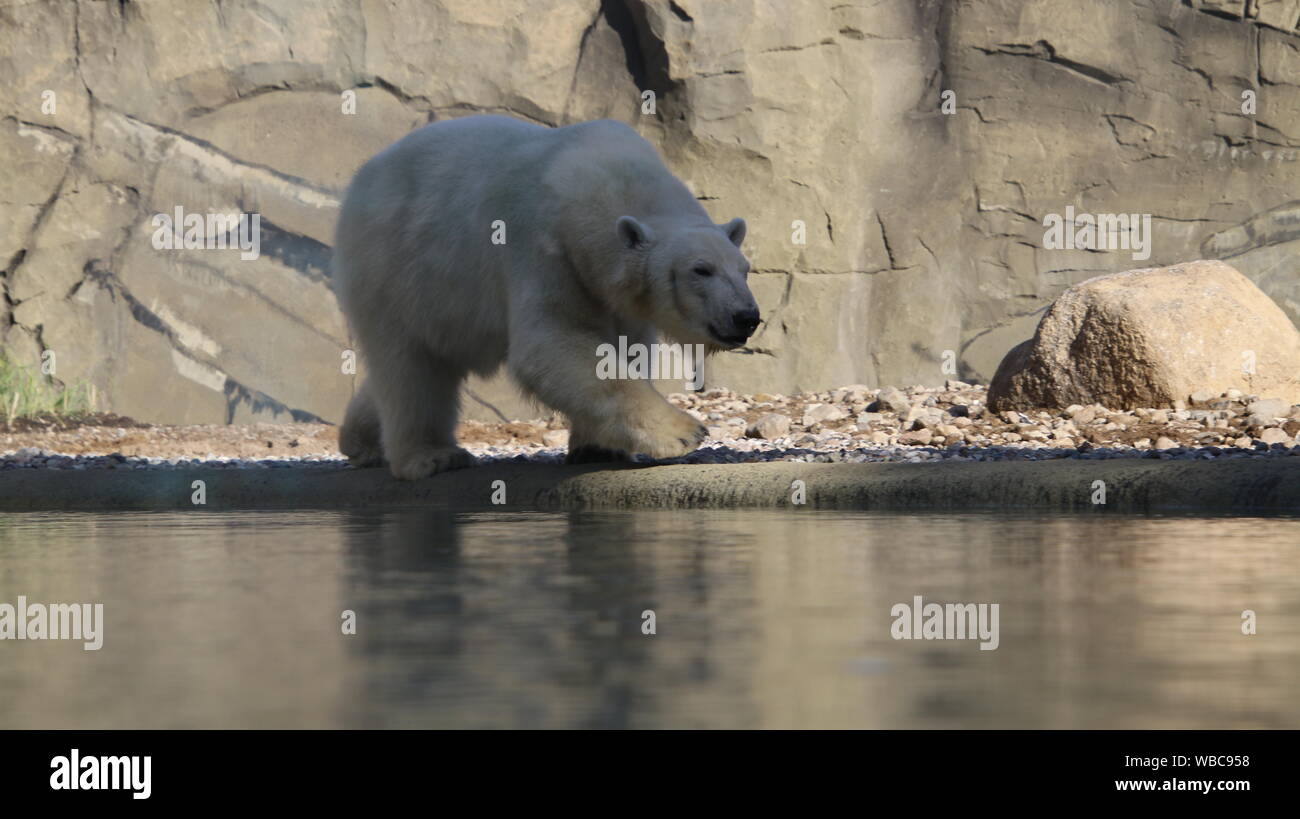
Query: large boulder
[[1151, 337]]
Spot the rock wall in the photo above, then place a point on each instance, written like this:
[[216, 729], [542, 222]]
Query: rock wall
[[914, 146]]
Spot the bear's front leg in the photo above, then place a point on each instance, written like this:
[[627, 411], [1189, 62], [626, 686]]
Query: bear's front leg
[[359, 435], [645, 422], [558, 366], [417, 399]]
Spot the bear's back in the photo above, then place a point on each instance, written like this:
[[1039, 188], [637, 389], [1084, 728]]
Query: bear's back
[[487, 156], [607, 169]]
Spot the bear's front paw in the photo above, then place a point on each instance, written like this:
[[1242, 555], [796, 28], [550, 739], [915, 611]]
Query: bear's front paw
[[675, 436], [425, 462]]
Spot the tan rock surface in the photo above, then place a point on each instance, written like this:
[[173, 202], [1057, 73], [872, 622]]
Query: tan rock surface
[[893, 243]]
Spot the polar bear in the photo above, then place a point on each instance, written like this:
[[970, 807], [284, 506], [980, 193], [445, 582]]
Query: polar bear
[[486, 240]]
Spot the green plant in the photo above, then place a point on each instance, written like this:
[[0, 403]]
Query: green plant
[[25, 392]]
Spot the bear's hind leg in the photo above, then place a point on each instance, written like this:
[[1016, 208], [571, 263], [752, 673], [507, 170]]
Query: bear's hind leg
[[418, 398], [359, 436]]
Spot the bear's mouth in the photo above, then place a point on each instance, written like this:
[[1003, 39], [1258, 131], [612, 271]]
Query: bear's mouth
[[727, 341]]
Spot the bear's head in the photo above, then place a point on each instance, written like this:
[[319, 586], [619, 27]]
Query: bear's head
[[694, 280]]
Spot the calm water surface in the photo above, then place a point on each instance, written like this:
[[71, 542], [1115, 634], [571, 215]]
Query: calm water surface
[[764, 619]]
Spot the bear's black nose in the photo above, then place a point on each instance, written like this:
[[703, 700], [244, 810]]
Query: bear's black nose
[[746, 321]]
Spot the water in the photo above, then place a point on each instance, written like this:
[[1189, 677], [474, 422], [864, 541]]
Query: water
[[764, 619]]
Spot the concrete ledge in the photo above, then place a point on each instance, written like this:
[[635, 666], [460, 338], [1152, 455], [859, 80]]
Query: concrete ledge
[[1229, 485]]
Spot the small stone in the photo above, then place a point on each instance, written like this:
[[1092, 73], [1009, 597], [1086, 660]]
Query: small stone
[[948, 431], [822, 413], [1166, 443], [918, 417], [918, 437], [1084, 415], [1269, 408], [851, 393], [893, 400], [769, 427], [1259, 421], [1273, 435]]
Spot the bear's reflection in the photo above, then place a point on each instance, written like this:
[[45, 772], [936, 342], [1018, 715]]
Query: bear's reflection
[[524, 620]]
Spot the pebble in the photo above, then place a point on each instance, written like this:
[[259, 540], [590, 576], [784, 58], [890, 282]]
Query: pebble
[[770, 427], [819, 413], [1274, 435], [893, 400]]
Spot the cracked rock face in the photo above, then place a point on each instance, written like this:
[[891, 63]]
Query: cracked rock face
[[895, 239], [1154, 338]]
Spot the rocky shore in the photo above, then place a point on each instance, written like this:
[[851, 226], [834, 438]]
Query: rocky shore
[[852, 424]]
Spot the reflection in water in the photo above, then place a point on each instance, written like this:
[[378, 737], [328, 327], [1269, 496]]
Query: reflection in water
[[763, 619]]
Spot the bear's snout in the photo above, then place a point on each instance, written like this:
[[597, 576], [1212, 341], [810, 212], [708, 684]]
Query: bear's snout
[[746, 321], [743, 324]]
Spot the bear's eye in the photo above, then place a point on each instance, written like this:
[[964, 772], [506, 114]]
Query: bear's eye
[[702, 270]]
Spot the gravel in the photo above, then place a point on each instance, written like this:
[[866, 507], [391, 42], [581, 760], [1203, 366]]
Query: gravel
[[853, 424]]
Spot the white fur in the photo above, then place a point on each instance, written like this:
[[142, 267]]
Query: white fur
[[430, 298]]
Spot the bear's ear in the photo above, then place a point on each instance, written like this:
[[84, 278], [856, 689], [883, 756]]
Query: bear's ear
[[633, 234], [735, 230]]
